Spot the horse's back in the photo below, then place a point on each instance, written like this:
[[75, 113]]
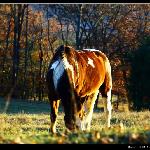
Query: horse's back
[[85, 69], [90, 72]]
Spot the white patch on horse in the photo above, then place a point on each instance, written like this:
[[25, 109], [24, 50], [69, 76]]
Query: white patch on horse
[[108, 107], [54, 65], [58, 70], [80, 123], [70, 67], [90, 62], [109, 100]]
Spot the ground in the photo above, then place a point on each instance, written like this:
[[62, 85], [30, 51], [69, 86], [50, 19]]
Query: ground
[[29, 122]]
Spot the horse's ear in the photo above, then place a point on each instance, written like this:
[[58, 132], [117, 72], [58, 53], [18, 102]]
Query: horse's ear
[[61, 47]]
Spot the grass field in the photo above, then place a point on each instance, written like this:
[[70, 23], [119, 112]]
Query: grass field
[[28, 122]]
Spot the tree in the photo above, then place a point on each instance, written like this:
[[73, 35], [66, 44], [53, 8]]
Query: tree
[[139, 82], [29, 35], [26, 57], [18, 16]]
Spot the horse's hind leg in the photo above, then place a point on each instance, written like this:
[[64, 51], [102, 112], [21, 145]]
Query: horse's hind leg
[[108, 107], [53, 116], [88, 109], [106, 94]]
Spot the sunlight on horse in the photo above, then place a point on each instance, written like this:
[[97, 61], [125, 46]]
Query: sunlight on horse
[[76, 77]]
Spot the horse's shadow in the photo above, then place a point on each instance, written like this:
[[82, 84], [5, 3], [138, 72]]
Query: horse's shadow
[[15, 106]]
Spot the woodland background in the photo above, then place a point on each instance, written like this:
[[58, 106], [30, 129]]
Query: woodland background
[[29, 35]]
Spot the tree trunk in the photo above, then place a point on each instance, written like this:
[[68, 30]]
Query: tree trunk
[[41, 63], [78, 23], [4, 61], [26, 58], [18, 15]]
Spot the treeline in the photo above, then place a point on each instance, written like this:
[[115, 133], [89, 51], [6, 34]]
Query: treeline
[[29, 35]]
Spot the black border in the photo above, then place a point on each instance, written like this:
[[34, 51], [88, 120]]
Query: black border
[[78, 146]]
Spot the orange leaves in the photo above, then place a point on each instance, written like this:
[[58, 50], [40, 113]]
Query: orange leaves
[[54, 25], [6, 8], [36, 55], [38, 17]]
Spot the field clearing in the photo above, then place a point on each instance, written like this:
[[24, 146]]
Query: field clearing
[[28, 122]]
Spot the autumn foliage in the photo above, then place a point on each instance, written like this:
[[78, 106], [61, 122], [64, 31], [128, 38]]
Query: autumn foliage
[[29, 35]]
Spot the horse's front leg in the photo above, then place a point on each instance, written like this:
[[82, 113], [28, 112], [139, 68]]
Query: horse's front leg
[[53, 116]]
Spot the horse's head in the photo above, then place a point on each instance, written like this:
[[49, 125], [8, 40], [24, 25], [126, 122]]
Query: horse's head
[[80, 119]]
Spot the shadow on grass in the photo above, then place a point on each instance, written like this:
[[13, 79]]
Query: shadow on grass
[[29, 107], [24, 106]]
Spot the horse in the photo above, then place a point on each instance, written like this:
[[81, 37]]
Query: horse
[[76, 77]]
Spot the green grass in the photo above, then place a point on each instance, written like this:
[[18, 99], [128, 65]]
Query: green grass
[[28, 122]]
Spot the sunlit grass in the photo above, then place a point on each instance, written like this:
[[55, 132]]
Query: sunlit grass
[[18, 126], [34, 128]]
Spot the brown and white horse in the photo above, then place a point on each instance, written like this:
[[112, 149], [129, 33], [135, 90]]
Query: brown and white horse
[[75, 77]]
